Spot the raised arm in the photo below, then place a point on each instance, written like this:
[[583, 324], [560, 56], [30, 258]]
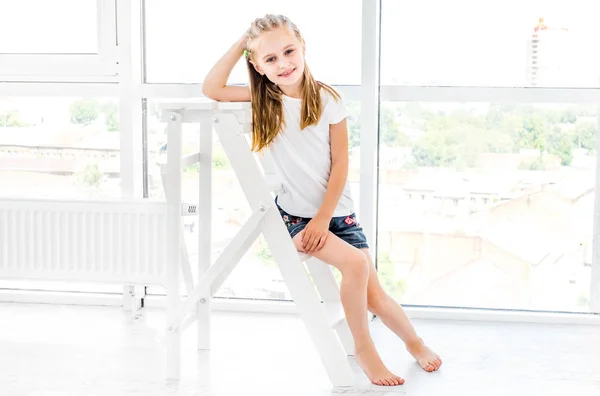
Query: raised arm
[[215, 83]]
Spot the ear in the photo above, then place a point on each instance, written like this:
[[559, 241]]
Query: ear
[[257, 68]]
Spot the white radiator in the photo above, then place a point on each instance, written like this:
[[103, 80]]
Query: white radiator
[[107, 241]]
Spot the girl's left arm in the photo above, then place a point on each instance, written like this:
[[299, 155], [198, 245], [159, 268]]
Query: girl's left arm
[[317, 230], [338, 137]]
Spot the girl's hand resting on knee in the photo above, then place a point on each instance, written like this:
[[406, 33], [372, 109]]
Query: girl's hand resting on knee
[[315, 234]]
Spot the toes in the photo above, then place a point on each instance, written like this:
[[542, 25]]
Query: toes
[[399, 379], [394, 380]]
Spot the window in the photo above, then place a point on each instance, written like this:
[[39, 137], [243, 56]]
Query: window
[[37, 40], [27, 28], [59, 147], [500, 43], [185, 37], [512, 223]]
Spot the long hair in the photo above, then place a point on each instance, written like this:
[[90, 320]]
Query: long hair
[[267, 104]]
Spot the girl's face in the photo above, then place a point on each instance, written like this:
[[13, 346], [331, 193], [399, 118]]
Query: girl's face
[[279, 55]]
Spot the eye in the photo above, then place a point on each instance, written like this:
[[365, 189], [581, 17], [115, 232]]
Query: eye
[[271, 59], [289, 51]]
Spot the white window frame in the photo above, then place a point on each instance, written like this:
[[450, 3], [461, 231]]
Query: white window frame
[[100, 77], [98, 67]]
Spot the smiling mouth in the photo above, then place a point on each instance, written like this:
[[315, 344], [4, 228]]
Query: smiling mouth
[[287, 74]]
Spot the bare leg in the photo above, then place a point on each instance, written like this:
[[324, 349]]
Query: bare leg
[[394, 317], [353, 265]]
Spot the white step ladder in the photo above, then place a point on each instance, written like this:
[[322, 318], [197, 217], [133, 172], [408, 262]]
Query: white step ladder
[[313, 288]]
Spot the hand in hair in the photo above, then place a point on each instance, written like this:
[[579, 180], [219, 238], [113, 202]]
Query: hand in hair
[[315, 234]]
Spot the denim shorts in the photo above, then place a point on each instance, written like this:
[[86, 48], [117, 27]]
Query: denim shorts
[[344, 227]]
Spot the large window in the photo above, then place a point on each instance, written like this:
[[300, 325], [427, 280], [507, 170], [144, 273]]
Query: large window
[[185, 37], [490, 43], [487, 204], [58, 40], [27, 27], [486, 191], [59, 147]]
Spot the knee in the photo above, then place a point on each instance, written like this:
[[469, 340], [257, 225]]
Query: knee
[[376, 299], [357, 266]]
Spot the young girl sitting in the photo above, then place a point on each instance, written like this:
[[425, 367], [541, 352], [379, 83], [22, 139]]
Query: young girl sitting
[[302, 122]]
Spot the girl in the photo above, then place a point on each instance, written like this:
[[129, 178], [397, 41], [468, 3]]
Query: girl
[[303, 124]]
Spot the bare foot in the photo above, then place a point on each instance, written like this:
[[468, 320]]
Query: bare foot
[[368, 359], [427, 359]]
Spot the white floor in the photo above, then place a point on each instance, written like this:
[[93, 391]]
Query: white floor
[[50, 350]]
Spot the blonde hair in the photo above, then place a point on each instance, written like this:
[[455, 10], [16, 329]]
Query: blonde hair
[[267, 104]]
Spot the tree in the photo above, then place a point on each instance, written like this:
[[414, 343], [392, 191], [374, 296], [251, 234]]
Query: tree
[[92, 175], [11, 119], [569, 116], [440, 148], [560, 144], [85, 111], [531, 134], [390, 132], [220, 160], [585, 134], [390, 282], [111, 117]]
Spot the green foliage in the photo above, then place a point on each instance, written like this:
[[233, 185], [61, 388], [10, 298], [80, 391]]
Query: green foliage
[[391, 133], [111, 117], [454, 139], [11, 119], [583, 301], [390, 282], [191, 168], [560, 143], [85, 111], [92, 176], [584, 135], [264, 253], [220, 160]]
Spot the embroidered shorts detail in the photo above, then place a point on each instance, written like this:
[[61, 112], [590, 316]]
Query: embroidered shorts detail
[[344, 227]]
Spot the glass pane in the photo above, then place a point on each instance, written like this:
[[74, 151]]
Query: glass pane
[[59, 147], [42, 26], [257, 275], [487, 205], [500, 43], [186, 37]]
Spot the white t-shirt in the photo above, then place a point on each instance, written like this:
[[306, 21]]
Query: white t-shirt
[[303, 159]]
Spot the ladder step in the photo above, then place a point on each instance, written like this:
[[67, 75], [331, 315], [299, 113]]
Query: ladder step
[[335, 314]]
